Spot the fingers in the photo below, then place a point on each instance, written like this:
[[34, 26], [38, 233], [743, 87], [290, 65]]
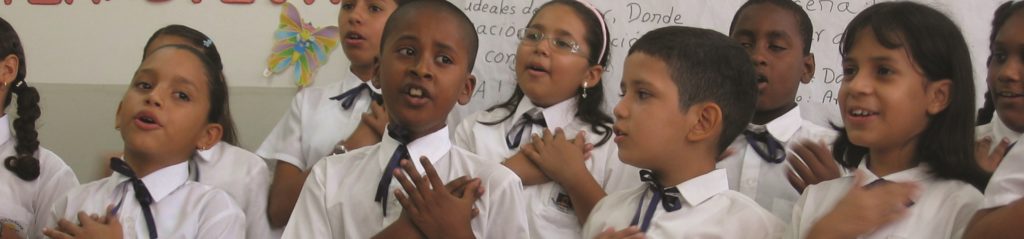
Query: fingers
[[411, 190], [378, 119], [548, 135], [1000, 151], [67, 227], [726, 154], [472, 191], [581, 141], [422, 183], [457, 185], [824, 158], [435, 181], [85, 219], [800, 168], [537, 141], [811, 161], [629, 232], [407, 205], [55, 234], [858, 179], [531, 153], [795, 181]]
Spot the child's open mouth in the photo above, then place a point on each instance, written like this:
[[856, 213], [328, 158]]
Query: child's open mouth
[[536, 70], [353, 38], [146, 121], [1009, 94], [416, 95], [762, 82]]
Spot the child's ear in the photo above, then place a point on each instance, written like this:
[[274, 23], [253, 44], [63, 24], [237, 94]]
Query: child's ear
[[375, 81], [466, 93], [9, 69], [210, 136], [709, 122], [809, 67], [938, 95], [594, 75]]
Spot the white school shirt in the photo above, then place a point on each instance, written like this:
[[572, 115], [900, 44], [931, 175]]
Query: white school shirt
[[547, 219], [1007, 182], [315, 123], [942, 210], [337, 199], [244, 176], [181, 208], [766, 182], [25, 205], [709, 210]]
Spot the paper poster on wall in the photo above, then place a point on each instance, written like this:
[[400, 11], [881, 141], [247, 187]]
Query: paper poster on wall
[[300, 46]]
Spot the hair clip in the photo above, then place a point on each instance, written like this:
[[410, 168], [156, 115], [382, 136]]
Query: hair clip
[[20, 84], [208, 42]]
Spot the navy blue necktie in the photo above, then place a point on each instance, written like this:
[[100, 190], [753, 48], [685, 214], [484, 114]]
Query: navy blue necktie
[[401, 153], [532, 117], [141, 192], [350, 96], [766, 145], [669, 198]]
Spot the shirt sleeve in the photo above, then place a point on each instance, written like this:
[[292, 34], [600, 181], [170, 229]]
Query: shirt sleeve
[[309, 218], [221, 218], [507, 217], [53, 190], [257, 224], [796, 227], [594, 224], [284, 143], [1007, 183]]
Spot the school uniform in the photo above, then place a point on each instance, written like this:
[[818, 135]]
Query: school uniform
[[549, 209], [1007, 182], [180, 208], [244, 176], [25, 205], [702, 207], [764, 178], [349, 195], [942, 210], [318, 119]]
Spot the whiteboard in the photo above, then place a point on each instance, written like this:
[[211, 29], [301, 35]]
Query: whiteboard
[[86, 43]]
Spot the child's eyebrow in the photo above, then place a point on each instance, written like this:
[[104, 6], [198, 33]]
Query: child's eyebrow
[[778, 35], [744, 33], [181, 80]]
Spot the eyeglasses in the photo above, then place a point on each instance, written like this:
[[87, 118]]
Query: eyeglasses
[[533, 37]]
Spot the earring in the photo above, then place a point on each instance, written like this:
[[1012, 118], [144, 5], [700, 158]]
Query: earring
[[3, 84], [584, 89]]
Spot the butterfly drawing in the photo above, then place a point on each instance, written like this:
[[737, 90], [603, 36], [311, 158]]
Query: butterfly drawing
[[299, 44]]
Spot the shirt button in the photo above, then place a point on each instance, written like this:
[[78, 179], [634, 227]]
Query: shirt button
[[750, 182]]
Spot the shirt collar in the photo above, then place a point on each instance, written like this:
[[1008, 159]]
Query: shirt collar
[[162, 182], [556, 116], [207, 155], [697, 190], [1000, 131], [918, 173], [349, 81], [785, 126], [433, 146], [5, 130]]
